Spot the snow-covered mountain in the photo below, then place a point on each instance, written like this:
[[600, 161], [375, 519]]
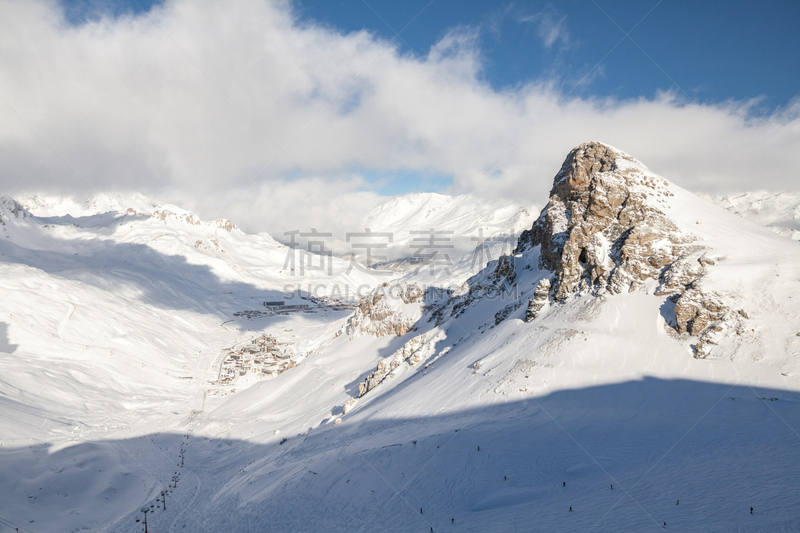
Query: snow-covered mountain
[[462, 222], [116, 307], [633, 363], [780, 212], [169, 229], [437, 238]]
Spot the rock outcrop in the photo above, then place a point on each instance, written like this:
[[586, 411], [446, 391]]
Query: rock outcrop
[[505, 271], [380, 312], [604, 230], [11, 208], [540, 297], [413, 352], [496, 281]]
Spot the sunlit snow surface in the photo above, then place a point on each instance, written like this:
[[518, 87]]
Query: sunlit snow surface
[[113, 324], [780, 212]]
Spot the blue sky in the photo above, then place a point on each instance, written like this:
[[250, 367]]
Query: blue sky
[[712, 50], [708, 51]]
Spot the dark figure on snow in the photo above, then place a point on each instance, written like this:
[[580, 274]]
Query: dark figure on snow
[[564, 484], [420, 510], [677, 502], [570, 509], [751, 510], [452, 520], [612, 487], [505, 478]]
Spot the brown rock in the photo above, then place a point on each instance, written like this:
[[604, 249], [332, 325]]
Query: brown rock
[[540, 296], [603, 231]]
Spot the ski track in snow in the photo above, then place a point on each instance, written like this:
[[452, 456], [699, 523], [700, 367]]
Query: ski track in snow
[[63, 323]]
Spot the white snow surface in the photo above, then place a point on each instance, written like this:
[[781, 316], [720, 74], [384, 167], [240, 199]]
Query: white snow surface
[[113, 325], [462, 232], [780, 212]]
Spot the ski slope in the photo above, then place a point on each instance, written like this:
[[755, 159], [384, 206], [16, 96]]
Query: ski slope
[[502, 425]]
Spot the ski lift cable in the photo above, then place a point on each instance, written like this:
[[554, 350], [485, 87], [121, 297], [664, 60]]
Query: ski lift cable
[[12, 525]]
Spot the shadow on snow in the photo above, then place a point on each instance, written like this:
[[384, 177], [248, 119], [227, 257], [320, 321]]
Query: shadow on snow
[[718, 449], [165, 281]]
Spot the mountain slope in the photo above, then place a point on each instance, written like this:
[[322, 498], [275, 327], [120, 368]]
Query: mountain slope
[[440, 239], [486, 415], [122, 310], [779, 212], [657, 363]]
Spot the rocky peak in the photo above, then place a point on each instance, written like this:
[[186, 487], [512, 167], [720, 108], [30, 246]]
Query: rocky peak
[[604, 230], [581, 165]]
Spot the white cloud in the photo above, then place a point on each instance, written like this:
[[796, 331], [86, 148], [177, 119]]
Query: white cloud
[[549, 27], [245, 113]]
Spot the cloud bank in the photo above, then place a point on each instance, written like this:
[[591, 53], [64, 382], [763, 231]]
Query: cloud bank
[[238, 109]]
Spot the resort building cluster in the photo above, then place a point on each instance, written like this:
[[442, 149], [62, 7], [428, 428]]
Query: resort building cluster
[[260, 357]]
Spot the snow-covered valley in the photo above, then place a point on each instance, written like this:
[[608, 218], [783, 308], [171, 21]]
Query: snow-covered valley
[[633, 365]]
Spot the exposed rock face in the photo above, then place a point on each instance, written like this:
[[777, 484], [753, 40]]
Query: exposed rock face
[[377, 313], [349, 405], [506, 311], [409, 292], [604, 231], [495, 283], [165, 215], [540, 296], [412, 352], [695, 310], [9, 205], [505, 270]]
